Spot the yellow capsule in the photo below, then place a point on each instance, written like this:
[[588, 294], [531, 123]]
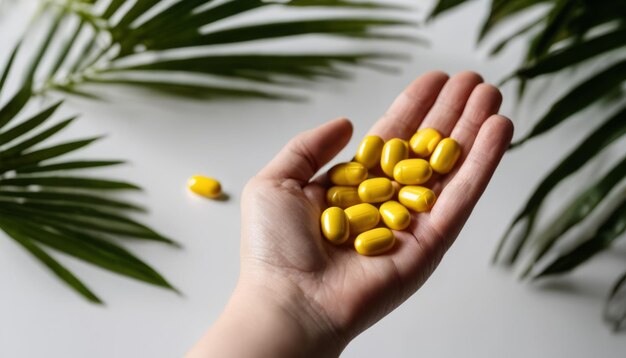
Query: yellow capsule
[[394, 151], [424, 141], [412, 171], [374, 242], [362, 217], [351, 173], [376, 190], [369, 151], [342, 196], [205, 186], [445, 156], [395, 215], [335, 225], [417, 198]]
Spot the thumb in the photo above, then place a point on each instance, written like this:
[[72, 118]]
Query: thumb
[[306, 153]]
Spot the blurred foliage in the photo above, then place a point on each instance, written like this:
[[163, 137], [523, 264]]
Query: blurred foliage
[[151, 43], [44, 204], [565, 35]]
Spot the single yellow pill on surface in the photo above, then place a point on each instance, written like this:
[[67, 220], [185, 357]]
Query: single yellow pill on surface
[[417, 198], [343, 196], [445, 156], [369, 151], [374, 242], [205, 186], [394, 151], [412, 171], [424, 141], [335, 225], [376, 190], [362, 217], [395, 215], [351, 173]]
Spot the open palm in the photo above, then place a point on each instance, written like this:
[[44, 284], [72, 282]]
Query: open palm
[[282, 246]]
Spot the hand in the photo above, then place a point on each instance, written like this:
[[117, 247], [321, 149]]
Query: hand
[[301, 295]]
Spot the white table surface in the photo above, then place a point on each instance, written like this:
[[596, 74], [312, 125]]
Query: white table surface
[[468, 308]]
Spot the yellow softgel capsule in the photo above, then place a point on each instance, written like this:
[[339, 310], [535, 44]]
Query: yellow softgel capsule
[[445, 156], [424, 141], [375, 242], [342, 196], [394, 151], [369, 151], [362, 217], [395, 215], [205, 186], [376, 190], [351, 173], [335, 225], [417, 198], [412, 171]]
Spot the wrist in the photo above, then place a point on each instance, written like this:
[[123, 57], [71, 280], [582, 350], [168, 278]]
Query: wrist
[[269, 320]]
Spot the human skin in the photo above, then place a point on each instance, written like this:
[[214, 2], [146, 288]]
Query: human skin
[[301, 296]]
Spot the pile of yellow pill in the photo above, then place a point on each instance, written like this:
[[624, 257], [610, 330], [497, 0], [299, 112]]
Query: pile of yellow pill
[[362, 205]]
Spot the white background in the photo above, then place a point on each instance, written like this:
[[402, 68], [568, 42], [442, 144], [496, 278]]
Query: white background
[[467, 308]]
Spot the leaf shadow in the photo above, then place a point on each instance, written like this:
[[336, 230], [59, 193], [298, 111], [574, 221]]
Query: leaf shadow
[[578, 287]]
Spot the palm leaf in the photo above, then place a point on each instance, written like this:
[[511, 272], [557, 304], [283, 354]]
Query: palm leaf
[[61, 212], [10, 110], [68, 183], [575, 54], [569, 34], [28, 125], [143, 30], [445, 5], [556, 22], [606, 134], [577, 210], [91, 249], [67, 197], [16, 162], [35, 139], [609, 231], [53, 265], [502, 10], [63, 166], [615, 309], [500, 46], [45, 43], [581, 97], [8, 66], [196, 90], [258, 67]]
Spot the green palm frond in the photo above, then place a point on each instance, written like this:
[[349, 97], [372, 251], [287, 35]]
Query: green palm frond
[[569, 33], [445, 5], [46, 206], [150, 44], [608, 231], [615, 310]]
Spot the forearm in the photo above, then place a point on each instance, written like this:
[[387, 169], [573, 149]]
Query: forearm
[[258, 323]]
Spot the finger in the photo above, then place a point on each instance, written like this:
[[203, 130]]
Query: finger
[[306, 153], [459, 196], [484, 101], [451, 102], [410, 107]]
